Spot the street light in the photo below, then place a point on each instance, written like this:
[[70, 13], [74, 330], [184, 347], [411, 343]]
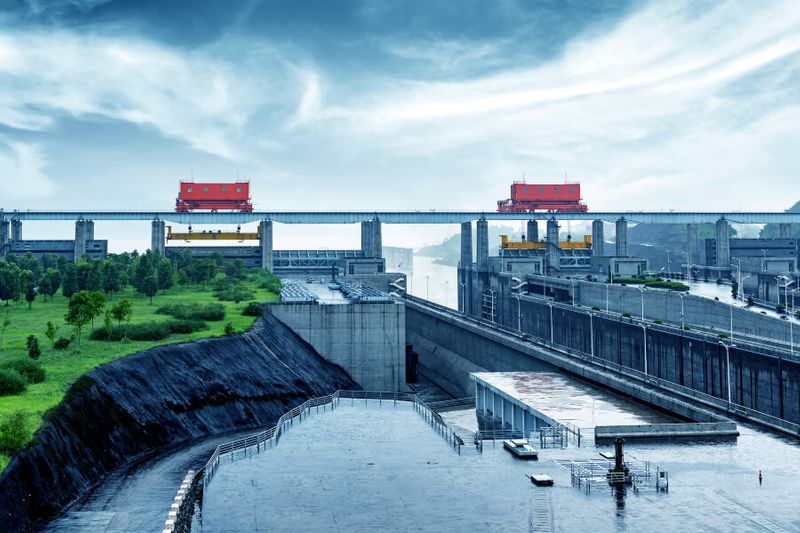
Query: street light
[[606, 284], [683, 322], [551, 323], [728, 366], [644, 338], [591, 331], [641, 289], [519, 312], [427, 287], [462, 296]]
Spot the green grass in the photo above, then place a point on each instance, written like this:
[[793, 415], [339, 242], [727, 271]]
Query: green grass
[[64, 366]]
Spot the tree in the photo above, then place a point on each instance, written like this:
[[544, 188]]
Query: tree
[[9, 281], [29, 262], [150, 287], [50, 332], [203, 271], [82, 271], [122, 310], [69, 281], [98, 302], [6, 322], [33, 347], [735, 289], [29, 283], [235, 269], [141, 270], [111, 278], [79, 312], [96, 275], [166, 274], [50, 282]]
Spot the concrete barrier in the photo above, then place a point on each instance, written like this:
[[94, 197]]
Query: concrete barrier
[[667, 431]]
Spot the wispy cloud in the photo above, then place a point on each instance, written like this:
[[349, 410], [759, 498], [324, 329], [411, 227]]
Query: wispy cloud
[[22, 171]]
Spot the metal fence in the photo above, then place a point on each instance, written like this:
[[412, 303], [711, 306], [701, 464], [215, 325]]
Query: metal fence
[[268, 438]]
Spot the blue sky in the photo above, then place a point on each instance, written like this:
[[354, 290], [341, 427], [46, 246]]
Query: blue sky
[[398, 105]]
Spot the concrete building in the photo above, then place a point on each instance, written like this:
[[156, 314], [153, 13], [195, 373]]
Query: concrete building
[[92, 249], [623, 267]]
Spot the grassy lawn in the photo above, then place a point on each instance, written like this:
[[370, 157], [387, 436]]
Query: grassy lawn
[[64, 366]]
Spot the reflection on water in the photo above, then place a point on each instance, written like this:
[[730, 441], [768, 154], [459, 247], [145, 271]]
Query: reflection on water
[[434, 282]]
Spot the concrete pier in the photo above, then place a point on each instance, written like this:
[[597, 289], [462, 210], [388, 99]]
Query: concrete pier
[[3, 238], [158, 237], [265, 228], [81, 227], [723, 243], [377, 239], [622, 238], [598, 239], [785, 231], [499, 408], [532, 234], [483, 245], [16, 230], [371, 238], [553, 248], [466, 244], [692, 245]]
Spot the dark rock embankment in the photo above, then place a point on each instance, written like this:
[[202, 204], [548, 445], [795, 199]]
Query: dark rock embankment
[[156, 398]]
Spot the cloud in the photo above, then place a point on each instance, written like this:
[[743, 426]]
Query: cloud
[[22, 175]]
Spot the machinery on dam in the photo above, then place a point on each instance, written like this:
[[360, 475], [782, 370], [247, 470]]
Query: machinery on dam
[[214, 197], [548, 197]]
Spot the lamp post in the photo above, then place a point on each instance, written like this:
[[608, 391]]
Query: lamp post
[[644, 338], [427, 287], [641, 289], [551, 323], [462, 296], [606, 284], [728, 367], [591, 331], [731, 310], [669, 264], [519, 312], [683, 322]]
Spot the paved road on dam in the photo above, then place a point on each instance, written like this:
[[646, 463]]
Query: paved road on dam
[[137, 496]]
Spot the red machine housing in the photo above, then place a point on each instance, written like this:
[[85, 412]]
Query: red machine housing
[[529, 197], [214, 196]]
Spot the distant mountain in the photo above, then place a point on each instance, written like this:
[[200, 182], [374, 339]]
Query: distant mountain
[[449, 251], [771, 231]]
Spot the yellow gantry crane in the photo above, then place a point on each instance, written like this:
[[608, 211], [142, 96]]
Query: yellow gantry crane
[[505, 244], [218, 235]]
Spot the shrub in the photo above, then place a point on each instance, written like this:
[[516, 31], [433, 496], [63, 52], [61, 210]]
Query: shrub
[[32, 372], [11, 383], [657, 322], [595, 308], [14, 432], [212, 312], [229, 329], [148, 331], [33, 347], [253, 309], [62, 343], [235, 293], [626, 315]]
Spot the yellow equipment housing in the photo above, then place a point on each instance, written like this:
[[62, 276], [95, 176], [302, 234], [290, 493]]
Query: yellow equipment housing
[[505, 244], [218, 235]]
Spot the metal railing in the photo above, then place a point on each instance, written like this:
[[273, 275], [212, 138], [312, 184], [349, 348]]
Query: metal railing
[[266, 439]]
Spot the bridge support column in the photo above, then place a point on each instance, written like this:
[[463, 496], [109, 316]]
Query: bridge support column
[[89, 230], [158, 237], [466, 244], [553, 258], [3, 238], [692, 247], [371, 238], [598, 240], [265, 229], [465, 269], [723, 243], [785, 231], [80, 239], [622, 238], [377, 239], [483, 245], [16, 230], [533, 232]]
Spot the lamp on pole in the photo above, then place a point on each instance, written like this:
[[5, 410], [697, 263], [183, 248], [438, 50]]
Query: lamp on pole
[[462, 296], [519, 312], [728, 367], [551, 323], [644, 338], [427, 287], [641, 289], [683, 322], [591, 331], [606, 284]]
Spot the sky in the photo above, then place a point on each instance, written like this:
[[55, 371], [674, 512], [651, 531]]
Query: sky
[[383, 104]]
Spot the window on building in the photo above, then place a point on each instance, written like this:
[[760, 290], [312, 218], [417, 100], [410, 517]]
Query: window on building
[[238, 189], [224, 189], [205, 189], [508, 268], [525, 190], [556, 189], [188, 189], [572, 189], [541, 190]]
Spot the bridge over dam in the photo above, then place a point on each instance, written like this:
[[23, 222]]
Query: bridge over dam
[[685, 373]]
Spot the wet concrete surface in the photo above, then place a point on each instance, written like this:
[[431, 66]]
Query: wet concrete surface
[[382, 468], [137, 497]]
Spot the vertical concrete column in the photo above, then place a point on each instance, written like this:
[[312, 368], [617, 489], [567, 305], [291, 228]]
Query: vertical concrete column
[[723, 243], [598, 239], [553, 247], [89, 224], [483, 245], [377, 239], [158, 237], [533, 232], [366, 237], [265, 229], [466, 244], [692, 245], [16, 230], [784, 231], [622, 238], [80, 240], [3, 238]]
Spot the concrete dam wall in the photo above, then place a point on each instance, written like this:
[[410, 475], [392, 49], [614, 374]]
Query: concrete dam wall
[[159, 397]]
